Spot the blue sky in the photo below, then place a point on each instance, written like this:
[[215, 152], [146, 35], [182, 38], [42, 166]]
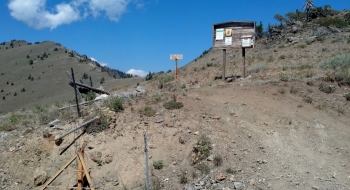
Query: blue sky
[[136, 34]]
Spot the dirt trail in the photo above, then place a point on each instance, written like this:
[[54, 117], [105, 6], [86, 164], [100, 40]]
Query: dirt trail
[[270, 139]]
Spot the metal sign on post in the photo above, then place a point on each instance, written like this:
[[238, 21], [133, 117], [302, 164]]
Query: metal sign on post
[[176, 57], [234, 34]]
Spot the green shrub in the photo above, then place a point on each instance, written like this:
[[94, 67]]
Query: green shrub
[[116, 104], [342, 61], [302, 46], [98, 125], [307, 99], [14, 118], [270, 59], [147, 111], [337, 22], [85, 76], [326, 88], [257, 69], [204, 168], [172, 104], [201, 149], [293, 90], [281, 90], [230, 171], [284, 77], [347, 96], [102, 80], [90, 96], [183, 178], [309, 74], [158, 164], [31, 62], [217, 160], [320, 38], [282, 57]]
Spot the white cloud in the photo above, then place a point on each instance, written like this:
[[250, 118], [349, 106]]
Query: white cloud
[[113, 8], [101, 63], [140, 73], [35, 13]]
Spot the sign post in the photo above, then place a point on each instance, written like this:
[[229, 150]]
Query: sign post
[[234, 34], [176, 57]]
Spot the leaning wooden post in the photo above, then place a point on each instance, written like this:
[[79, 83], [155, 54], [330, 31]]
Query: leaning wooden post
[[223, 64], [76, 94], [80, 170], [146, 150], [243, 56]]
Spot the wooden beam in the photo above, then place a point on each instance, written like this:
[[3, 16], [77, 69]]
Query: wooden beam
[[89, 87], [63, 187], [58, 173], [86, 170], [74, 129], [82, 103]]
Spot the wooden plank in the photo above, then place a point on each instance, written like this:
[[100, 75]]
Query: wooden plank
[[64, 187], [82, 103], [176, 56], [76, 128], [58, 173], [86, 170], [89, 87]]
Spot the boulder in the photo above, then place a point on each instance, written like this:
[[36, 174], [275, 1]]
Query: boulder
[[321, 31], [293, 39], [40, 177], [311, 39], [96, 156]]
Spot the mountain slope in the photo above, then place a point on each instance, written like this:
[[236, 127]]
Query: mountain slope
[[35, 74]]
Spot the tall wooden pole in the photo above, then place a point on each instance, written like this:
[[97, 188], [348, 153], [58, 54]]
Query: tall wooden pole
[[243, 55], [176, 71], [76, 93], [223, 64]]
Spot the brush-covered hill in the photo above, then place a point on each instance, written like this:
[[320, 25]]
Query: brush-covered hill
[[35, 74]]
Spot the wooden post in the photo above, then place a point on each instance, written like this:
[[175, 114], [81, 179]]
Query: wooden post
[[146, 151], [223, 64], [176, 70], [76, 94], [80, 170], [243, 55]]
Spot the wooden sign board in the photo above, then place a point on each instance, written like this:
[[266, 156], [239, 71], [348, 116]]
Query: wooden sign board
[[234, 34], [176, 56]]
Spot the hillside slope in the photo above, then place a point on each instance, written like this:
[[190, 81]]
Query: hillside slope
[[35, 74]]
